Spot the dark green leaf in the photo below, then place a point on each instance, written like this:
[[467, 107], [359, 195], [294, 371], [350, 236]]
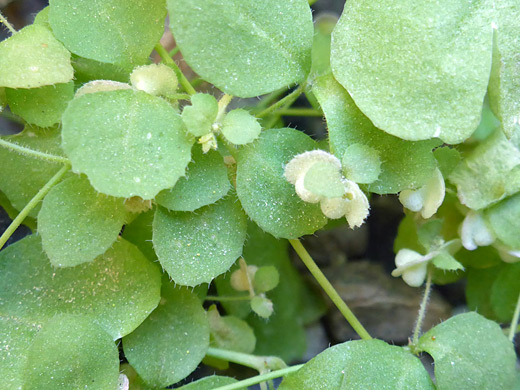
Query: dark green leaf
[[505, 292], [505, 221], [478, 289]]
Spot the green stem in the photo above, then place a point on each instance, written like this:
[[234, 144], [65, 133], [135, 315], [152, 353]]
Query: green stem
[[300, 112], [268, 99], [33, 153], [227, 299], [174, 51], [422, 309], [171, 63], [330, 290], [514, 322], [284, 102], [32, 204], [4, 21], [260, 378], [259, 363]]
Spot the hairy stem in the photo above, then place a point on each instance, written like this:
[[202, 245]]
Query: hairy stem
[[422, 309], [165, 56], [284, 102], [33, 153], [300, 112], [260, 363], [9, 26], [330, 290], [514, 322], [260, 378], [32, 204]]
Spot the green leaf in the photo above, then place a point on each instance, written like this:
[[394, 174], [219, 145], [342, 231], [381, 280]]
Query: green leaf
[[41, 106], [209, 383], [361, 163], [324, 179], [240, 127], [489, 173], [195, 248], [23, 176], [404, 164], [417, 70], [355, 365], [71, 352], [199, 117], [446, 262], [206, 181], [139, 233], [42, 17], [323, 26], [172, 341], [113, 31], [126, 286], [478, 289], [127, 142], [33, 58], [505, 221], [266, 196], [86, 70], [262, 306], [266, 278], [77, 224], [244, 47], [504, 84], [229, 332], [505, 292], [470, 352], [447, 158]]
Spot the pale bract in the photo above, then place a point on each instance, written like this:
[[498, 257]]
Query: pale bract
[[412, 266], [426, 199], [475, 231], [353, 203]]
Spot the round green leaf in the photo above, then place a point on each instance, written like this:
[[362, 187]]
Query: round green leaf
[[229, 332], [505, 221], [505, 292], [41, 106], [77, 224], [324, 179], [244, 47], [404, 164], [194, 248], [470, 352], [35, 172], [71, 352], [417, 70], [126, 286], [354, 365], [33, 58], [262, 306], [172, 341], [199, 117], [266, 278], [478, 289], [113, 31], [266, 196], [240, 127], [127, 142], [206, 181], [361, 163], [139, 233]]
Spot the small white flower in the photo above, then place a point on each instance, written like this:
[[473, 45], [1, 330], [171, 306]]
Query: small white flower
[[475, 231], [426, 199], [412, 266]]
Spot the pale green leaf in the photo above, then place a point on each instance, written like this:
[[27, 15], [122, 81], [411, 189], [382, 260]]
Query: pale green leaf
[[199, 117], [262, 306], [127, 142], [504, 84], [77, 224], [504, 218], [240, 127], [354, 365], [324, 179], [113, 31], [444, 261], [489, 173], [505, 292], [323, 26], [209, 383], [418, 70], [448, 159], [244, 47], [266, 196], [41, 106], [470, 352], [196, 247], [266, 278], [33, 58], [206, 181], [72, 352], [126, 286], [23, 176], [404, 164], [229, 332], [172, 341], [361, 163]]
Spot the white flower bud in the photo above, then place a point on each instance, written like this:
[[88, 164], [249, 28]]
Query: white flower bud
[[301, 163], [412, 266], [426, 199], [475, 232]]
